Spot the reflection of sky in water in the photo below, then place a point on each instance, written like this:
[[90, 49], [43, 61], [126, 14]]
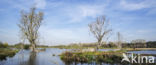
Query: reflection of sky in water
[[42, 58], [47, 58], [107, 49], [153, 52], [19, 58], [143, 52]]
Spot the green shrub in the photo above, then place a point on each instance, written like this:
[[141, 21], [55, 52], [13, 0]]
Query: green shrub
[[26, 46], [4, 45]]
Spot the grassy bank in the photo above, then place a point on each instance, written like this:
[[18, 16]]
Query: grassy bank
[[138, 49], [6, 52], [98, 56], [78, 47], [83, 47], [107, 57]]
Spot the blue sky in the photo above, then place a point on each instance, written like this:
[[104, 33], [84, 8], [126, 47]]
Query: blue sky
[[66, 21]]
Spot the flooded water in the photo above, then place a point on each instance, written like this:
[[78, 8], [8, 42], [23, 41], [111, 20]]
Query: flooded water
[[153, 52], [107, 49], [48, 57], [26, 57]]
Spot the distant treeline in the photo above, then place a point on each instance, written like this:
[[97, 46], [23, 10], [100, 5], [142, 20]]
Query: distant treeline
[[19, 45], [27, 46], [150, 44], [3, 45]]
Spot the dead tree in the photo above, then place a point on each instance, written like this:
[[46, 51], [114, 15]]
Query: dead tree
[[119, 43], [29, 26], [100, 28]]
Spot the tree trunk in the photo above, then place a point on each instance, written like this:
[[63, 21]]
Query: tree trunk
[[33, 46], [119, 45], [98, 45]]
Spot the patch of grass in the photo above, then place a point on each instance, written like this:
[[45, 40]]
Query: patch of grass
[[139, 49], [6, 52], [109, 57]]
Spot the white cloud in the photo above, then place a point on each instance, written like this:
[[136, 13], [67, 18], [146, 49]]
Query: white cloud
[[92, 11], [60, 13], [53, 36], [80, 12], [132, 6], [40, 4], [26, 4], [143, 31]]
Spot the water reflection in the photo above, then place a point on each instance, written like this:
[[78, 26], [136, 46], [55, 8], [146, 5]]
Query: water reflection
[[144, 52], [48, 57], [91, 63], [32, 58]]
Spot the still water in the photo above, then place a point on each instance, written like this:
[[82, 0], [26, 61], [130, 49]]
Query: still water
[[25, 57], [153, 52], [48, 57]]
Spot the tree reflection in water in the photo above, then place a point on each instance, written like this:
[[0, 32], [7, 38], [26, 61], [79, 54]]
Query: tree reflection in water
[[32, 58], [30, 61]]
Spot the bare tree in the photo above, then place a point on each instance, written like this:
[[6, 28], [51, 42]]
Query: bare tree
[[142, 41], [119, 43], [100, 28], [29, 26], [138, 41]]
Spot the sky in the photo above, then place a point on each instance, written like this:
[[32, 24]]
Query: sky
[[66, 21]]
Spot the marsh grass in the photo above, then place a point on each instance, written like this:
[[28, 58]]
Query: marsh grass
[[108, 57], [6, 52]]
